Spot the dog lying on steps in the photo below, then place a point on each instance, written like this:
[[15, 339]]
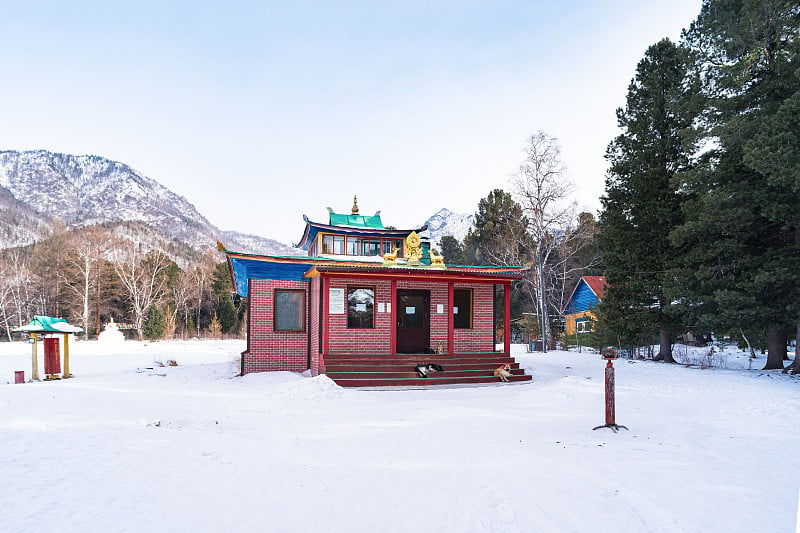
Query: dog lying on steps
[[423, 369], [503, 372]]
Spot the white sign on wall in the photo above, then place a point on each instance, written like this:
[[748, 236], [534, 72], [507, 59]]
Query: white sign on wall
[[440, 308], [381, 307], [335, 301]]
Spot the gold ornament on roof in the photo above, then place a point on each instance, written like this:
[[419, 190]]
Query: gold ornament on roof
[[390, 259], [355, 205], [413, 249], [437, 260]]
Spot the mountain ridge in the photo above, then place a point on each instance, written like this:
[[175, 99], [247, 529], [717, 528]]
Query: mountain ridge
[[37, 187]]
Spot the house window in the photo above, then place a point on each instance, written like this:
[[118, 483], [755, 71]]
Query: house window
[[352, 246], [462, 308], [390, 244], [583, 326], [290, 310], [333, 244], [327, 244], [338, 244], [360, 307], [371, 246]]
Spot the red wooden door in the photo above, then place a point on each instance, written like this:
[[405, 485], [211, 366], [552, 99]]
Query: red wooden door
[[413, 320]]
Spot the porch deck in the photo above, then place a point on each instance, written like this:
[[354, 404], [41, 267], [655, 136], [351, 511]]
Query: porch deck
[[350, 370]]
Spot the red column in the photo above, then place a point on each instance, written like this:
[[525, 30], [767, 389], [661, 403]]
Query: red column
[[325, 321], [610, 414], [507, 318], [393, 318], [451, 345]]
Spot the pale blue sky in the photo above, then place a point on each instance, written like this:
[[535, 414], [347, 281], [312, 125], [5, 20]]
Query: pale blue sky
[[259, 112]]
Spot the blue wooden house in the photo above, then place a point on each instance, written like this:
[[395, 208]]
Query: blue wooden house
[[578, 313]]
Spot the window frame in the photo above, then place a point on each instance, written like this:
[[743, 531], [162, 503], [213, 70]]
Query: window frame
[[358, 287], [327, 243], [275, 328], [471, 306], [355, 242]]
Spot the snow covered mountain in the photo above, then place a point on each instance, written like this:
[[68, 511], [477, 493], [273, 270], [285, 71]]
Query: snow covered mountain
[[39, 186], [446, 222]]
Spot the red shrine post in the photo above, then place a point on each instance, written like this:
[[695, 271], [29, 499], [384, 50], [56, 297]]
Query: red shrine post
[[609, 354]]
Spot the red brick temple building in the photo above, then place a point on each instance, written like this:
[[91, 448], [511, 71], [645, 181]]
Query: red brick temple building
[[368, 304]]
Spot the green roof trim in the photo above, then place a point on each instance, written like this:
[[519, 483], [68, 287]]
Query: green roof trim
[[356, 221]]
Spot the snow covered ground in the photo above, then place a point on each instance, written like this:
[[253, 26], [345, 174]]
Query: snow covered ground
[[193, 448]]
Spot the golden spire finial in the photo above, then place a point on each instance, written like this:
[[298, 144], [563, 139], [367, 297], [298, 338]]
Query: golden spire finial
[[355, 205]]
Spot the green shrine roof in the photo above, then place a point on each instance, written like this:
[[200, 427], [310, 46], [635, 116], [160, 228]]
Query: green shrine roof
[[356, 221], [48, 324]]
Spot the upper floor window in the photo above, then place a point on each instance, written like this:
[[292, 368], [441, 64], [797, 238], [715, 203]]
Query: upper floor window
[[369, 246], [332, 244]]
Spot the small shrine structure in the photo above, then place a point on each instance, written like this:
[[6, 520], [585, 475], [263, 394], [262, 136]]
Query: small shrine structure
[[44, 325], [379, 297], [111, 334]]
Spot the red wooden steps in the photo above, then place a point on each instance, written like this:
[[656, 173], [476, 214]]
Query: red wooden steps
[[349, 370]]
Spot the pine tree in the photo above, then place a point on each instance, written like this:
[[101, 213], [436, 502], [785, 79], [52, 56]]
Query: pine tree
[[226, 310], [641, 206], [500, 235], [215, 328], [453, 251], [741, 220], [153, 327]]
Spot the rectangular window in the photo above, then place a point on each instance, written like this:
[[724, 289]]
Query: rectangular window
[[399, 245], [360, 307], [333, 244], [462, 308], [352, 246], [290, 310], [387, 247], [327, 244], [583, 326], [338, 245], [370, 247]]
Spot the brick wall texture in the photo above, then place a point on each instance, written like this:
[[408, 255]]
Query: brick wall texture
[[269, 350]]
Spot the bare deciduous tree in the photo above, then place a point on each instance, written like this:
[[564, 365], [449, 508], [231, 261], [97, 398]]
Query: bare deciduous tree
[[143, 276], [541, 188], [85, 249]]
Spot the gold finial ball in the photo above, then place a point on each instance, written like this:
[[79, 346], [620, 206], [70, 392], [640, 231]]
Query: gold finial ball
[[355, 205]]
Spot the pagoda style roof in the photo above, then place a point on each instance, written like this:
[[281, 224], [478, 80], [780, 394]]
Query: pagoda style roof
[[47, 324], [356, 221], [368, 228]]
